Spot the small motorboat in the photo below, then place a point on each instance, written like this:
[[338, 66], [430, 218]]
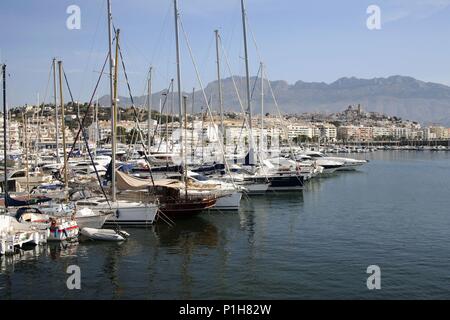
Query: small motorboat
[[104, 234], [62, 229], [14, 234]]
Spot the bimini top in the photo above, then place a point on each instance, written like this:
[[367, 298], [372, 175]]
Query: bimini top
[[127, 182]]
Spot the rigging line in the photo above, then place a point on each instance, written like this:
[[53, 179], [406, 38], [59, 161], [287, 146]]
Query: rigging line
[[233, 20], [136, 116], [282, 121], [160, 115], [45, 96], [88, 109], [219, 134], [160, 36], [239, 99], [246, 120], [207, 56], [85, 141], [254, 84], [90, 53], [251, 97], [48, 84]]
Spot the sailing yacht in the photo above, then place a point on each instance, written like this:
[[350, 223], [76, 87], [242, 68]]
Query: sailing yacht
[[228, 194], [124, 212]]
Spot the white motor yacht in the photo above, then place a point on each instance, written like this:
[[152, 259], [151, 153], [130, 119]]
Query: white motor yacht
[[347, 163]]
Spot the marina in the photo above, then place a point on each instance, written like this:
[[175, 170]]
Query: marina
[[217, 192], [312, 244]]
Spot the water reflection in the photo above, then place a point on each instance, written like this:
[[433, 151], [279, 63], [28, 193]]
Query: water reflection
[[111, 263], [62, 249], [26, 254], [187, 234]]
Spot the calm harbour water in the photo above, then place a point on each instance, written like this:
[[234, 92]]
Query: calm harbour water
[[315, 244]]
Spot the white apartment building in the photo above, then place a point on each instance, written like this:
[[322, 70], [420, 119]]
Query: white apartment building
[[328, 131], [296, 130], [402, 133]]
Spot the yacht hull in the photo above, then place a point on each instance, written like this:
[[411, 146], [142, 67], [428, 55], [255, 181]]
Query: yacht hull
[[229, 202], [95, 222], [132, 216], [286, 183]]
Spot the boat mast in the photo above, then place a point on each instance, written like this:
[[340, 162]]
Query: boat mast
[[5, 169], [58, 159], [25, 129], [261, 139], [219, 79], [96, 135], [149, 123], [247, 76], [192, 121], [169, 114], [202, 132], [114, 120], [172, 118], [63, 126], [113, 151], [79, 125], [36, 145], [185, 146], [180, 95]]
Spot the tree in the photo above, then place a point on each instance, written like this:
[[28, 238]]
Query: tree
[[121, 133]]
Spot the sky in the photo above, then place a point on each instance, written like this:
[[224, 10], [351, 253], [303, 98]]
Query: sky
[[320, 40]]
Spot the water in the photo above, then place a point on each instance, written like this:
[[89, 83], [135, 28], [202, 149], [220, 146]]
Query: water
[[317, 244]]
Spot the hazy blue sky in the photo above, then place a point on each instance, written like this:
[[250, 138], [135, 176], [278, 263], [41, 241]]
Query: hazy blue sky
[[320, 40]]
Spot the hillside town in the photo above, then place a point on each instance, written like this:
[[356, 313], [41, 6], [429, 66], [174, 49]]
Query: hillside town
[[354, 124]]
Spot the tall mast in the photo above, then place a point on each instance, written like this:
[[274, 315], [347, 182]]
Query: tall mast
[[202, 131], [192, 131], [58, 159], [25, 129], [219, 79], [247, 76], [185, 146], [96, 135], [38, 122], [180, 95], [167, 129], [149, 123], [63, 126], [79, 125], [114, 120], [172, 118], [113, 151], [5, 118], [159, 125], [261, 139]]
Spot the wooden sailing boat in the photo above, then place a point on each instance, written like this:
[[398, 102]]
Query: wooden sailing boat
[[175, 201]]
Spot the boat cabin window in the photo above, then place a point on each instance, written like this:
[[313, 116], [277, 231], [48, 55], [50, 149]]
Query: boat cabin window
[[200, 178], [315, 155], [86, 203], [19, 174]]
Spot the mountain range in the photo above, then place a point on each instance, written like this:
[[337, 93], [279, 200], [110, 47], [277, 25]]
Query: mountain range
[[400, 96]]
